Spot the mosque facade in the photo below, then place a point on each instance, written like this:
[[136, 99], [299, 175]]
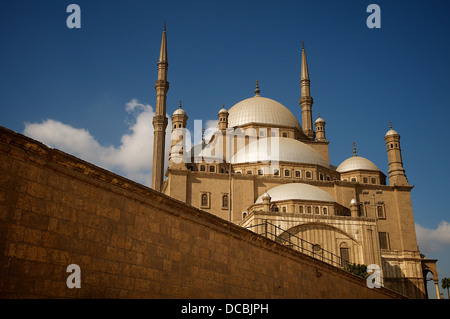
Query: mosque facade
[[264, 170]]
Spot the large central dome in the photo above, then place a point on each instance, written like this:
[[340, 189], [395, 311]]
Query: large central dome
[[278, 149], [261, 110]]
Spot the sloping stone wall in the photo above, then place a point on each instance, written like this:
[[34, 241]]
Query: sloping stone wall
[[132, 242]]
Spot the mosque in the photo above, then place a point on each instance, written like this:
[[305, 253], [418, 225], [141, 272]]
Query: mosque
[[263, 168]]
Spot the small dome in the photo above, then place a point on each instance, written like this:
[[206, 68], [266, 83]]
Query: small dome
[[223, 111], [297, 191], [353, 202], [265, 196], [289, 150], [356, 163], [261, 110], [179, 111], [319, 120], [391, 132]]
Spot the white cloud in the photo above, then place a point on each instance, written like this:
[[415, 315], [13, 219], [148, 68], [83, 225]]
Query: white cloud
[[132, 159], [210, 128], [432, 240]]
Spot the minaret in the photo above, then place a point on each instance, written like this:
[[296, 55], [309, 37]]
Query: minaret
[[320, 129], [306, 100], [160, 119], [223, 119], [396, 171], [179, 121]]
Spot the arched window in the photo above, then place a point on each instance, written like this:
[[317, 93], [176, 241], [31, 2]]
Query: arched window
[[260, 172], [204, 200], [225, 201], [284, 134], [345, 254], [202, 168], [317, 209], [275, 208], [308, 175], [325, 211], [365, 180], [309, 209], [284, 209], [211, 169], [298, 174], [287, 173], [300, 209]]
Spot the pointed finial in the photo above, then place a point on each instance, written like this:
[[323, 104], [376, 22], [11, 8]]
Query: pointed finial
[[354, 149], [164, 27], [390, 125], [180, 105], [319, 114], [257, 88], [303, 45]]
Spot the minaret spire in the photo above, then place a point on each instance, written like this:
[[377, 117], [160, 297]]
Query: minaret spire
[[306, 100], [160, 118]]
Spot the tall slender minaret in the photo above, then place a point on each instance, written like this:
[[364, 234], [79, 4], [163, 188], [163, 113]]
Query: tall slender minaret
[[306, 100], [396, 171], [160, 118]]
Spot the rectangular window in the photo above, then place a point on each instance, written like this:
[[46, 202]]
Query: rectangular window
[[384, 240], [298, 174], [380, 212]]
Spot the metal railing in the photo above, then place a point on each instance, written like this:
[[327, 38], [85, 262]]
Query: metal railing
[[286, 238]]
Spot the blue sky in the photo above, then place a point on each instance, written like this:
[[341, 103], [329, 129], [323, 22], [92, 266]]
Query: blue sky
[[90, 91]]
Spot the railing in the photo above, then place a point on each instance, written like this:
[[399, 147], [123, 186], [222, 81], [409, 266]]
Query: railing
[[276, 233]]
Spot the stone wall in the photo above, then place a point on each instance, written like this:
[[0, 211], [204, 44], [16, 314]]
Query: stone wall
[[132, 242]]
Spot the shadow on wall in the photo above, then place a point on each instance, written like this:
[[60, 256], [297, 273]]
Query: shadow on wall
[[400, 284]]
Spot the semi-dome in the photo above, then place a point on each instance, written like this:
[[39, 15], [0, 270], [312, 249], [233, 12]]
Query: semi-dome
[[356, 163], [261, 110], [288, 150], [296, 191]]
